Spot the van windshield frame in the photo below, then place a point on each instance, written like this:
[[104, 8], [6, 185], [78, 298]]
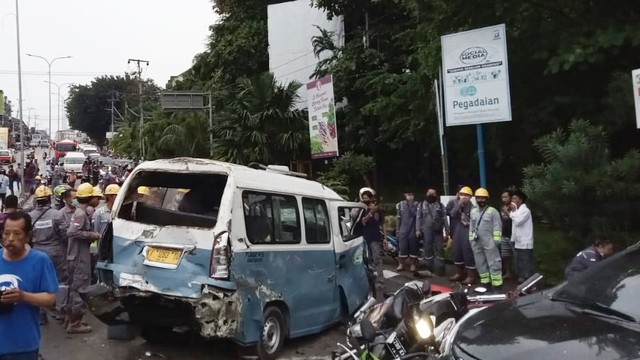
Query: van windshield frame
[[191, 199]]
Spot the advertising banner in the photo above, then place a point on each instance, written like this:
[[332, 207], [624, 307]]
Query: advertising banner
[[635, 75], [323, 132], [1, 103], [476, 76]]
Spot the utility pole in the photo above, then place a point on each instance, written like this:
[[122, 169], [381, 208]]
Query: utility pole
[[112, 100], [139, 73]]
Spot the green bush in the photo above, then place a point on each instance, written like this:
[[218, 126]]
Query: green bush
[[348, 174], [581, 189]]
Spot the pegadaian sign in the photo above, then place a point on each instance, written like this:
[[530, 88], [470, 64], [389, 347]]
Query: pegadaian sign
[[476, 76]]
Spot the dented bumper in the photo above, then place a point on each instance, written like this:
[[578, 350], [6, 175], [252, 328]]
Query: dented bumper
[[216, 314]]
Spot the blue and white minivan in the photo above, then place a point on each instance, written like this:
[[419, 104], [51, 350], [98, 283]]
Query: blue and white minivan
[[254, 255]]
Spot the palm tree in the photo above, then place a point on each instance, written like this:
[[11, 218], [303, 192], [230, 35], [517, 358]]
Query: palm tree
[[187, 134], [260, 123]]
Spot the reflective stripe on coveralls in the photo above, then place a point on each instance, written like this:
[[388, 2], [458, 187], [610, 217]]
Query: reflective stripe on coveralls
[[485, 233]]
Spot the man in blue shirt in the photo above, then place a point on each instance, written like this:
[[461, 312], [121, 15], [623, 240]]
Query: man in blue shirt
[[27, 282]]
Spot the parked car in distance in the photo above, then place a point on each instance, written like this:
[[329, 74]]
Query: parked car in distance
[[5, 157], [34, 143], [594, 315], [44, 143]]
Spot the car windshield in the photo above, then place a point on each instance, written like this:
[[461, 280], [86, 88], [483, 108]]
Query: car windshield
[[66, 147], [5, 153], [73, 160], [614, 283]]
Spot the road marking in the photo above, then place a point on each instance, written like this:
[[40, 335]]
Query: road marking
[[388, 274]]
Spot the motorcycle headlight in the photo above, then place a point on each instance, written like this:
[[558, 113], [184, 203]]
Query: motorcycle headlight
[[424, 327]]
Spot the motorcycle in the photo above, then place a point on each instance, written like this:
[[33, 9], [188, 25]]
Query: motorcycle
[[384, 317], [427, 330], [390, 246]]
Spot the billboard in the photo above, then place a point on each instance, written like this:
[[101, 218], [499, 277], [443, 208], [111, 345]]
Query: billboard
[[181, 101], [323, 132], [476, 76], [1, 103], [291, 28], [635, 76]]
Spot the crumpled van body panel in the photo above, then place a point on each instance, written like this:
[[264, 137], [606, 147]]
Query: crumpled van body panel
[[159, 267]]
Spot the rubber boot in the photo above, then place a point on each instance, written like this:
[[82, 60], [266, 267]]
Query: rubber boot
[[65, 322], [414, 264], [459, 275], [401, 264], [507, 263], [472, 277], [497, 289], [77, 326]]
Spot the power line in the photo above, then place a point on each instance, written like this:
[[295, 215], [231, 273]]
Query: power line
[[340, 36], [67, 73]]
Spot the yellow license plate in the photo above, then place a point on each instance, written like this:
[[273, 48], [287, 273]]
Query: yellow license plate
[[164, 256]]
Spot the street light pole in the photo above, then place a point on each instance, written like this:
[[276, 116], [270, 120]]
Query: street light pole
[[59, 98], [20, 97], [49, 63]]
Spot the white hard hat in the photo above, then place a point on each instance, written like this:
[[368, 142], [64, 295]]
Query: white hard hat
[[364, 190]]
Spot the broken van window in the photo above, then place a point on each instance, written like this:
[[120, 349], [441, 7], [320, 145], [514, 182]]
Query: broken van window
[[170, 198]]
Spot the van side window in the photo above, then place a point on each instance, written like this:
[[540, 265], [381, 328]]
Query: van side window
[[350, 223], [271, 218], [316, 221]]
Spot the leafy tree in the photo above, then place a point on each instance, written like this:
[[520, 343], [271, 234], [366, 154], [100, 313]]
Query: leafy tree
[[259, 123], [187, 135], [237, 46], [348, 174], [580, 187], [88, 105]]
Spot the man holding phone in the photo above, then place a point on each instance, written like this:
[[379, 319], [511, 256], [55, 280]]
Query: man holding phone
[[28, 282]]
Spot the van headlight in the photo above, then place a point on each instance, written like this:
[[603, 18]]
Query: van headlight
[[424, 327]]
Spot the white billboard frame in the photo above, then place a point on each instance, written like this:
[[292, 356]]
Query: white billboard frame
[[475, 73], [635, 81]]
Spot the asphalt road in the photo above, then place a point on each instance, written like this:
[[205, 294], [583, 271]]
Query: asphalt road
[[56, 344]]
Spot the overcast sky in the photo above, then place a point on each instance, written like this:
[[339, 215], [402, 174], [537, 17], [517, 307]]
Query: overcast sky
[[101, 35]]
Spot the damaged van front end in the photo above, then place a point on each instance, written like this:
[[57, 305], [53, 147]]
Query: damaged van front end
[[163, 262]]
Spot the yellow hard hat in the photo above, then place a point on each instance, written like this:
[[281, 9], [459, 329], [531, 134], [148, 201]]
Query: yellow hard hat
[[112, 189], [42, 192], [96, 192], [85, 190], [466, 191], [184, 191], [143, 190], [482, 192], [38, 177]]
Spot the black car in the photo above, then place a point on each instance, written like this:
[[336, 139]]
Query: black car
[[595, 315]]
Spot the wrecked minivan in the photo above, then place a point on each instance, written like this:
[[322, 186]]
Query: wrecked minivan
[[229, 251]]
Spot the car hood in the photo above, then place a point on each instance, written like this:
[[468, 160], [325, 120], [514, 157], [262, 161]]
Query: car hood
[[535, 327]]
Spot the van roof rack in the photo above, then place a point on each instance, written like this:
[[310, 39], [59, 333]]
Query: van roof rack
[[280, 169]]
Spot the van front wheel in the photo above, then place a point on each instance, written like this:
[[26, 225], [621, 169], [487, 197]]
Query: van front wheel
[[272, 334]]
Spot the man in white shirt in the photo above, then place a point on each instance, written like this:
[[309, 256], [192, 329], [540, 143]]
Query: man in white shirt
[[522, 236]]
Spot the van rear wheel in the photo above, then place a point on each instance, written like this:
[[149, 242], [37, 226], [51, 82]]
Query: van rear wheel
[[272, 334]]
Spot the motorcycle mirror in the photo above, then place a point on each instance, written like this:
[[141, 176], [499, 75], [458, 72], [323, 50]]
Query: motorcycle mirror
[[368, 330], [529, 283], [426, 287], [480, 289]]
